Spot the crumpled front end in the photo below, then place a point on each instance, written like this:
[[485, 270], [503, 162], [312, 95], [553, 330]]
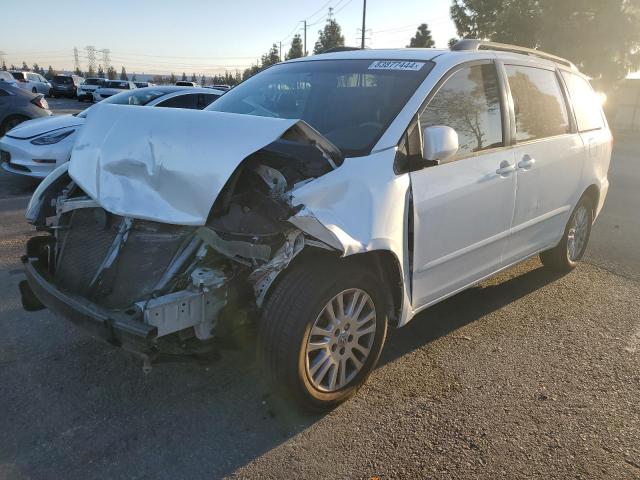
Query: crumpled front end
[[152, 284]]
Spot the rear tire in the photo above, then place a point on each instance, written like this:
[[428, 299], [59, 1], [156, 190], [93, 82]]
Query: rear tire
[[565, 256], [307, 301]]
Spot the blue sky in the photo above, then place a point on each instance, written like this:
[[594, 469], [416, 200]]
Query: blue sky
[[195, 36]]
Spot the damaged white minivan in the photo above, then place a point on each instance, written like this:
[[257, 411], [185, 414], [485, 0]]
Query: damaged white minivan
[[327, 197]]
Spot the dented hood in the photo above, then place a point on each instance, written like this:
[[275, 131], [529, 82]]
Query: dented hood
[[162, 164]]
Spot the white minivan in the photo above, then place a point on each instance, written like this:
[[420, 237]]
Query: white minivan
[[327, 197]]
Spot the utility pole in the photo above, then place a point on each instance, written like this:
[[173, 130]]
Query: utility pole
[[364, 21], [91, 57], [76, 60], [280, 50], [305, 39]]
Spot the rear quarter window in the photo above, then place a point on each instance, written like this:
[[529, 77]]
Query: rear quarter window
[[586, 104]]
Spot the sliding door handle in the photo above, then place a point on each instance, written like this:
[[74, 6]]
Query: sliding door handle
[[506, 168], [527, 162]]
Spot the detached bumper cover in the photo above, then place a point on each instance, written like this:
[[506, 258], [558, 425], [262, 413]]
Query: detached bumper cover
[[117, 329]]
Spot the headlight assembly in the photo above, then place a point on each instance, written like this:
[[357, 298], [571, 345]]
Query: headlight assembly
[[51, 138]]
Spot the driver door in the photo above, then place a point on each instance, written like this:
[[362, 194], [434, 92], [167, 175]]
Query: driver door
[[463, 209]]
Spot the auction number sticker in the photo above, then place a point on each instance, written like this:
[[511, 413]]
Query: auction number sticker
[[396, 65]]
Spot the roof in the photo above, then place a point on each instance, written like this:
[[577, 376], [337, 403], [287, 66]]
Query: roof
[[378, 54]]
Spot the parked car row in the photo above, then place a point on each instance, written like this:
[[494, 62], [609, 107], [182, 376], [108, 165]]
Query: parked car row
[[35, 148], [328, 197]]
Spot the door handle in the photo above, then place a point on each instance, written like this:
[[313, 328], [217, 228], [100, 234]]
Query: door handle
[[526, 163], [506, 168]]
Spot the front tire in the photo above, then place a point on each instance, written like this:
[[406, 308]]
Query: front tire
[[565, 256], [322, 332]]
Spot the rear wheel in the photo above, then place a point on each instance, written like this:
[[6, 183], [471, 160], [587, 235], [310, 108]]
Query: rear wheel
[[322, 332], [568, 253], [34, 90]]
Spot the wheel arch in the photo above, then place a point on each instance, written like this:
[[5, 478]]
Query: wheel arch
[[384, 263], [592, 192]]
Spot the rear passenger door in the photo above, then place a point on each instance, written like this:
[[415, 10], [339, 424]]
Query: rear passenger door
[[549, 155], [463, 209]]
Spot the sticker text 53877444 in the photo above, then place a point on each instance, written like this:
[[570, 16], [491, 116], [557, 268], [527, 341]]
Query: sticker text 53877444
[[396, 65]]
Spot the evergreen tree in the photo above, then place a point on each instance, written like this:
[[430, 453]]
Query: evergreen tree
[[330, 36], [295, 51], [422, 38], [203, 80], [194, 78], [123, 74], [172, 79], [184, 77], [111, 73], [91, 72], [25, 67], [78, 72], [4, 66], [271, 57], [35, 68], [133, 77], [50, 73], [601, 36]]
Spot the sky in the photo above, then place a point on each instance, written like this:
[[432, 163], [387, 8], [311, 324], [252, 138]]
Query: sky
[[202, 37]]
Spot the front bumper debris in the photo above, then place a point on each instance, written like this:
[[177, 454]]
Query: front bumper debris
[[120, 329]]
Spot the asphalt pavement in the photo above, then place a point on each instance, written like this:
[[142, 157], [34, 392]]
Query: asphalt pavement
[[527, 375]]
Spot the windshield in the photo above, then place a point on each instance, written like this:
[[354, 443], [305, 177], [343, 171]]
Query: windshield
[[351, 102], [138, 96], [93, 81]]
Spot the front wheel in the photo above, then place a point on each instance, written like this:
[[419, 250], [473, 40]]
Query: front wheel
[[565, 256], [322, 332]]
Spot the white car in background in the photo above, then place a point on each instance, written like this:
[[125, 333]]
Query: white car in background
[[86, 88], [112, 87], [7, 78], [34, 82], [37, 147]]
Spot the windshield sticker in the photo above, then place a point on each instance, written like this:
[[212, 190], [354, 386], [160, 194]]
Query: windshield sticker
[[396, 65]]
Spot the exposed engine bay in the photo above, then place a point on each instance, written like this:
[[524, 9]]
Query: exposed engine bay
[[158, 287]]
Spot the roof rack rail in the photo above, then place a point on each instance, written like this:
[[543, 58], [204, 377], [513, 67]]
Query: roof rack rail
[[474, 44], [341, 49]]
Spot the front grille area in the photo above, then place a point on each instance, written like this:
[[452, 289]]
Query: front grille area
[[142, 260]]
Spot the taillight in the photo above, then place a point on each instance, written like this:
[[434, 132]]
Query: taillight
[[40, 102]]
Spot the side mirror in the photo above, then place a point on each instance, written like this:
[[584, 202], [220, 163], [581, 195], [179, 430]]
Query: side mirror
[[440, 144]]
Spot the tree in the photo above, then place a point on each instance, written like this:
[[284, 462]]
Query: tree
[[100, 71], [422, 38], [25, 67], [78, 72], [123, 74], [194, 78], [184, 77], [111, 73], [203, 80], [330, 36], [158, 79], [452, 41], [601, 36], [133, 77], [172, 79], [50, 73], [4, 66], [91, 72], [271, 57], [295, 51], [36, 68]]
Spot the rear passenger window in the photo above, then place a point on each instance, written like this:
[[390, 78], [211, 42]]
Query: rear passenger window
[[586, 103], [469, 102], [539, 103], [181, 101]]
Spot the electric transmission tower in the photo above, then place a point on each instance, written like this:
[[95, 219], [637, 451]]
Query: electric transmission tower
[[106, 59], [76, 60], [91, 57]]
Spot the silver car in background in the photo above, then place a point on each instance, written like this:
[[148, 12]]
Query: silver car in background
[[34, 82]]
